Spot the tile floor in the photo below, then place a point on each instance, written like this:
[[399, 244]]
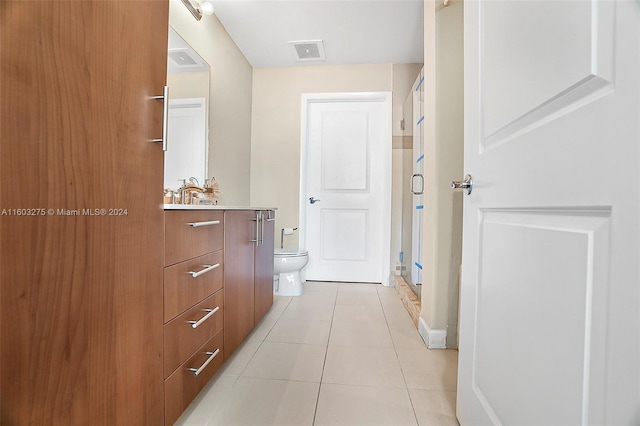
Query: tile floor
[[340, 354]]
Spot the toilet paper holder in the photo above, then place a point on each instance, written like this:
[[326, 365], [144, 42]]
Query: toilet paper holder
[[283, 232]]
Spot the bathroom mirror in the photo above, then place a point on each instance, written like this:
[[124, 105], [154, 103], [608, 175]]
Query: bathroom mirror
[[188, 123]]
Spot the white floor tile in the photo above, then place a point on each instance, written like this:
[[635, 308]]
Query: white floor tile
[[362, 366], [357, 298], [287, 361], [313, 286], [208, 402], [397, 313], [305, 310], [362, 405], [254, 401], [429, 368], [300, 331], [434, 407], [240, 358], [262, 329], [405, 335], [361, 334], [355, 313], [368, 287], [346, 353]]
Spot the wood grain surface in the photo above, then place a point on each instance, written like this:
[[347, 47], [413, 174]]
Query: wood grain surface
[[81, 295]]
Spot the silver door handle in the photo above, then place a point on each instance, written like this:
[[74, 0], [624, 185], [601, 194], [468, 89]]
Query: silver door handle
[[313, 200], [208, 223], [466, 184], [206, 269], [210, 312], [212, 355], [165, 117]]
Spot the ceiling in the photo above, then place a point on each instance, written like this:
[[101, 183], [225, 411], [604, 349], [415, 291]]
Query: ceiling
[[352, 31]]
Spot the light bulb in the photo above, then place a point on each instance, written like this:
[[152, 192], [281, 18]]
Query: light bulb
[[206, 7]]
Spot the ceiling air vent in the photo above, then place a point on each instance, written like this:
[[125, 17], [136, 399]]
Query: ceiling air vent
[[182, 58], [308, 50]]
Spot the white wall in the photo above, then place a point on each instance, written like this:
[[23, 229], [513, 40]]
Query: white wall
[[442, 239], [230, 102]]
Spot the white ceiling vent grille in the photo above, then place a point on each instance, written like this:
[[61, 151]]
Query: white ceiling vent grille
[[308, 50], [182, 58]]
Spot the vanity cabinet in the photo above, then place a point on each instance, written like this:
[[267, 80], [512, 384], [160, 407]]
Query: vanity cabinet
[[194, 305], [248, 272], [263, 274], [239, 240], [81, 244]]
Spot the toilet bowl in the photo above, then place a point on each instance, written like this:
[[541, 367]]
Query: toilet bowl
[[287, 264]]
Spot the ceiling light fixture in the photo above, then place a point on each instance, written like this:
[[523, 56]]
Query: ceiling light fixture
[[199, 7]]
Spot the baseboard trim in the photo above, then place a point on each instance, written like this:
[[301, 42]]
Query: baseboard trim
[[433, 338]]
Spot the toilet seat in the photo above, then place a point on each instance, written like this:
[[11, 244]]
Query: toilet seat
[[288, 252]]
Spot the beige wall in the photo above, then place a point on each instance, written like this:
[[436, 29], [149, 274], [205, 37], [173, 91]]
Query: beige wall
[[443, 141], [189, 85], [275, 148], [230, 101]]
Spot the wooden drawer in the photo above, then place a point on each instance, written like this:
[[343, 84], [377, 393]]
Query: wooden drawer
[[182, 290], [181, 339], [183, 241], [182, 386]]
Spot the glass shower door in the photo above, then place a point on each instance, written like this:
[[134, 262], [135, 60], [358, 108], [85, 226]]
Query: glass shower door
[[413, 205], [417, 185]]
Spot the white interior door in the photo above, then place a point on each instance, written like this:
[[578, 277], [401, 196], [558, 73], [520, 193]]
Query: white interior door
[[348, 163], [550, 322], [186, 154]]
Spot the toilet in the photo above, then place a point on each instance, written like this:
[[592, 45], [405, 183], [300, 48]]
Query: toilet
[[287, 264]]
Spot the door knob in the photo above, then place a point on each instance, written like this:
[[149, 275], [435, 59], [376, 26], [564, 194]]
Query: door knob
[[466, 184], [313, 200]]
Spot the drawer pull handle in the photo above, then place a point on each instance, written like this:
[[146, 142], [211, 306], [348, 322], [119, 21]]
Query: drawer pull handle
[[195, 324], [208, 223], [197, 371], [206, 269]]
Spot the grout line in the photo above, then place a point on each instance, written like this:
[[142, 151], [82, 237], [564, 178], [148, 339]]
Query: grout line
[[324, 363], [395, 349]]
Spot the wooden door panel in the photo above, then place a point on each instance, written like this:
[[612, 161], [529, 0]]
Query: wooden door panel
[[181, 339], [182, 290], [184, 241], [182, 386], [81, 301], [239, 297], [264, 268]]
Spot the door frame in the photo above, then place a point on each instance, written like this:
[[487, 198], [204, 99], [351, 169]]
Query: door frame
[[385, 168]]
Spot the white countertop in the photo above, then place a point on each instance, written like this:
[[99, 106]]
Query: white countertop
[[212, 207]]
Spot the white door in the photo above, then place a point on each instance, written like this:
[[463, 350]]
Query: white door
[[186, 154], [348, 163], [550, 320]]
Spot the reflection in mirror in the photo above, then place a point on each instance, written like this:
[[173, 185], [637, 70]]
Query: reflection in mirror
[[188, 81]]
